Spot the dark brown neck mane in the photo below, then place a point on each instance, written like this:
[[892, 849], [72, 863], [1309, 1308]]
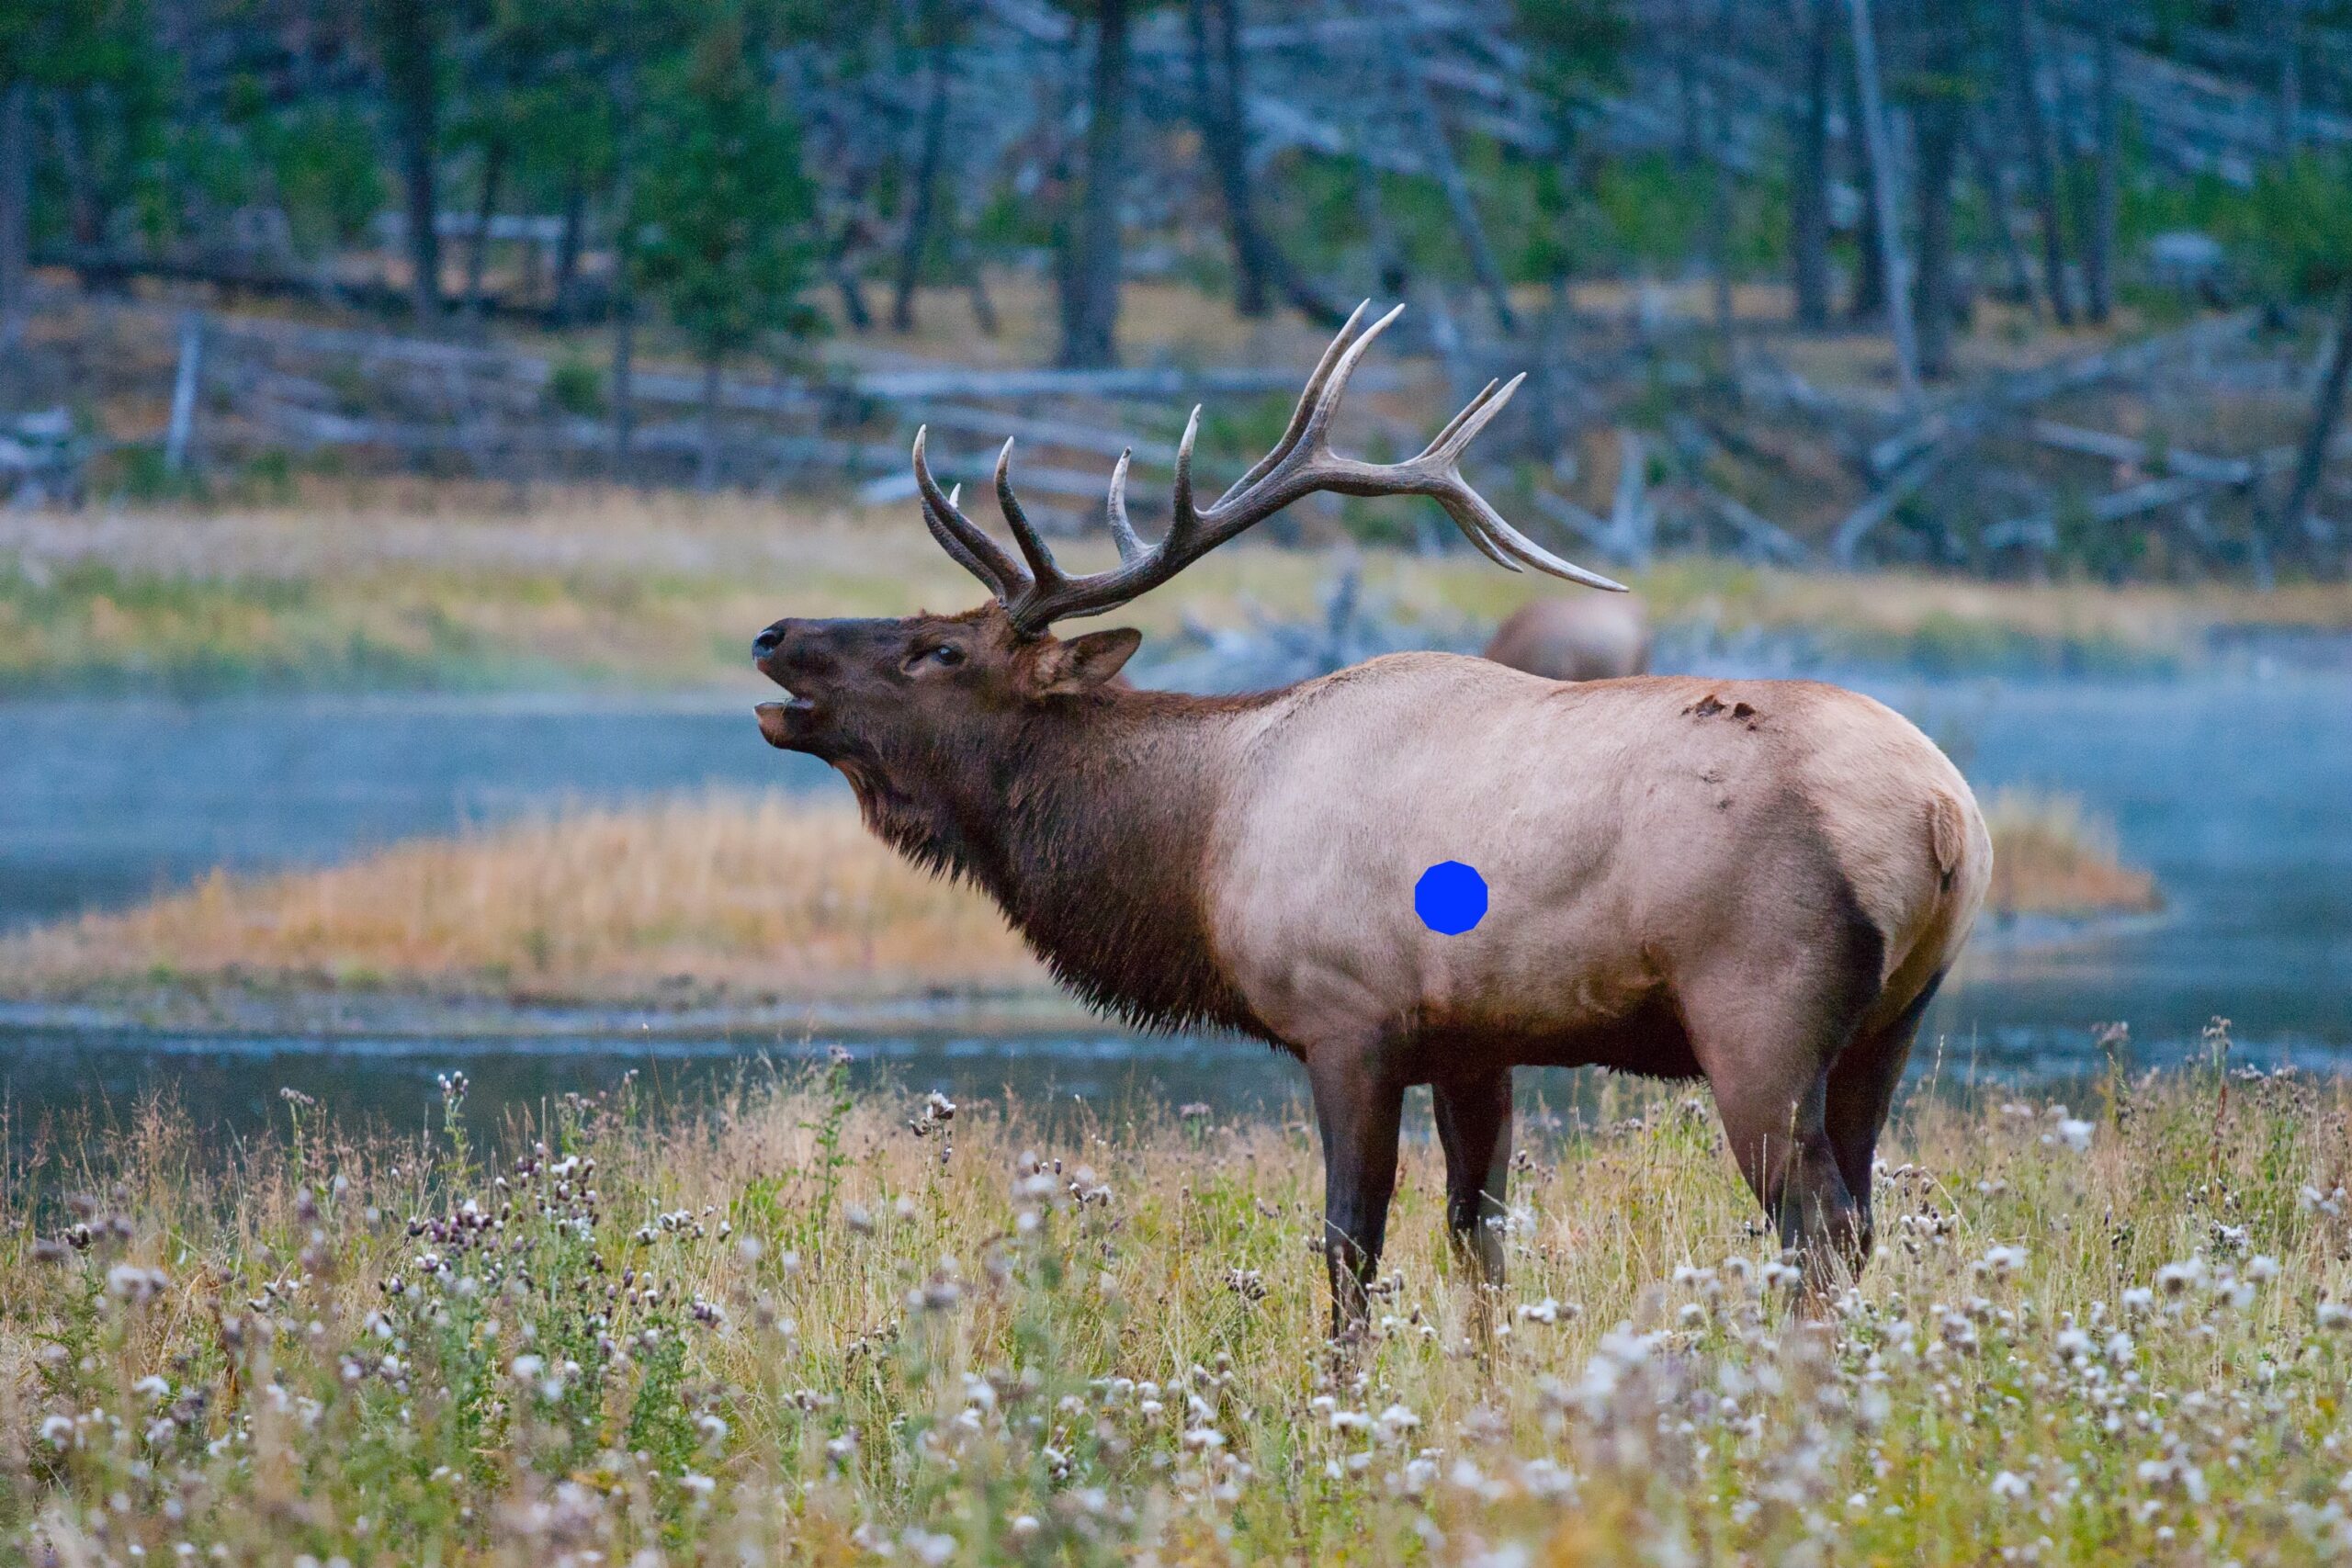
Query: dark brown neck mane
[[1086, 819]]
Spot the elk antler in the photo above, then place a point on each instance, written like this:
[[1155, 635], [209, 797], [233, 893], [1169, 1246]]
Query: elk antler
[[1035, 592]]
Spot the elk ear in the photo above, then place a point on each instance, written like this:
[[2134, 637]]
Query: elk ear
[[1067, 669]]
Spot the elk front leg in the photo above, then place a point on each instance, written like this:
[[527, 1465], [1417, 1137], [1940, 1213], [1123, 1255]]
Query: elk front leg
[[1473, 1128], [1357, 1109]]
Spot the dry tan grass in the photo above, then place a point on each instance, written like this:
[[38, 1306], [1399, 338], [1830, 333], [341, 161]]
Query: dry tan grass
[[667, 588], [2113, 1338], [751, 895], [758, 895], [2051, 856]]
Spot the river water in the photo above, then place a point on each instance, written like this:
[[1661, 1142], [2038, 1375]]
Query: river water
[[2234, 787]]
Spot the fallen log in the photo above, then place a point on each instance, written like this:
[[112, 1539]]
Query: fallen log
[[1970, 416], [1766, 538], [2125, 449], [2041, 528], [1845, 544], [995, 424]]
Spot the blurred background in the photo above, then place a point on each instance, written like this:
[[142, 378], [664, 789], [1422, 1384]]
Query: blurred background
[[408, 412]]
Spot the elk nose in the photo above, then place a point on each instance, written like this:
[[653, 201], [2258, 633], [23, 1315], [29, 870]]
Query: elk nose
[[768, 641]]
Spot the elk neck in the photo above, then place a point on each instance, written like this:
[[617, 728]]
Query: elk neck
[[1088, 822]]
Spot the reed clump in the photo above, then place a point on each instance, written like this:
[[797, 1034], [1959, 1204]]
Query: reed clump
[[730, 894], [750, 894], [2053, 856], [803, 1324]]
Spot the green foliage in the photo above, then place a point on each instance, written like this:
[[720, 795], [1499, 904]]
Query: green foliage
[[2290, 232], [323, 160], [577, 387], [2297, 225], [1577, 46], [1648, 210], [722, 211]]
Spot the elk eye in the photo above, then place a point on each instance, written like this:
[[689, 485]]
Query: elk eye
[[946, 654]]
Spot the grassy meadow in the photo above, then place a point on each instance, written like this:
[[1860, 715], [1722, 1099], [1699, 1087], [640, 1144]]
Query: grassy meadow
[[720, 895], [811, 1326], [390, 583]]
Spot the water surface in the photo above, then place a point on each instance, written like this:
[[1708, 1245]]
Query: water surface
[[2234, 788]]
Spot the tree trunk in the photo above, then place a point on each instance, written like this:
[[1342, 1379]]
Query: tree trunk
[[411, 73], [1438, 154], [1687, 149], [1809, 199], [922, 203], [1890, 235], [2099, 237], [1090, 276], [2041, 161], [1995, 191], [567, 246], [85, 211], [494, 171], [16, 206], [1719, 196], [2327, 412], [624, 301], [706, 476], [1867, 299], [1938, 121], [624, 372], [976, 281], [851, 286], [2287, 45], [1220, 108], [1391, 275]]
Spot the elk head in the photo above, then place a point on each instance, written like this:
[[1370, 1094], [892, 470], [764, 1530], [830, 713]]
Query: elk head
[[872, 697]]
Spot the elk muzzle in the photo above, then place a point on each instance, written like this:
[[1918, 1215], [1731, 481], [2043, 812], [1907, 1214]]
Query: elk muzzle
[[780, 653]]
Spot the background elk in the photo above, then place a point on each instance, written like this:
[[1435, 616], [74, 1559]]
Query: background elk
[[1585, 638], [1760, 881]]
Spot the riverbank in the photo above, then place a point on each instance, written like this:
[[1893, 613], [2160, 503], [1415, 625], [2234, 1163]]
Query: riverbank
[[729, 906], [393, 585], [688, 903], [797, 1320]]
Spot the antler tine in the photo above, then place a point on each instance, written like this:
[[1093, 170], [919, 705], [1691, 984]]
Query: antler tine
[[1043, 571], [1473, 406], [1114, 510], [973, 549], [1184, 519], [1335, 387], [1495, 530], [1486, 528], [955, 548], [1305, 410], [1300, 464], [1303, 462]]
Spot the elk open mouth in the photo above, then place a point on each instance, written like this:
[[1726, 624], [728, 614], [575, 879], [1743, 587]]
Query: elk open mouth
[[785, 724]]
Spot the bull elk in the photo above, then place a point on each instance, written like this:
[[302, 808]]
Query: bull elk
[[1758, 882]]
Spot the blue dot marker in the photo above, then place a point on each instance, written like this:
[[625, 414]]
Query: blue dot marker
[[1451, 897]]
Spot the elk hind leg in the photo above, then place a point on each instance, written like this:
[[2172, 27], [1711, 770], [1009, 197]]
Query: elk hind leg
[[1860, 1092], [1767, 1059], [1473, 1118]]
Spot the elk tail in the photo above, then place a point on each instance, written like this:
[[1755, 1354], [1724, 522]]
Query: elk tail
[[1947, 836]]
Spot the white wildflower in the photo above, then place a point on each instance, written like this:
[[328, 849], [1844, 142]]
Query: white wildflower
[[2002, 1261]]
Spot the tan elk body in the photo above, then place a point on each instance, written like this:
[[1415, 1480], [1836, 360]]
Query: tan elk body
[[1756, 882], [1596, 638]]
